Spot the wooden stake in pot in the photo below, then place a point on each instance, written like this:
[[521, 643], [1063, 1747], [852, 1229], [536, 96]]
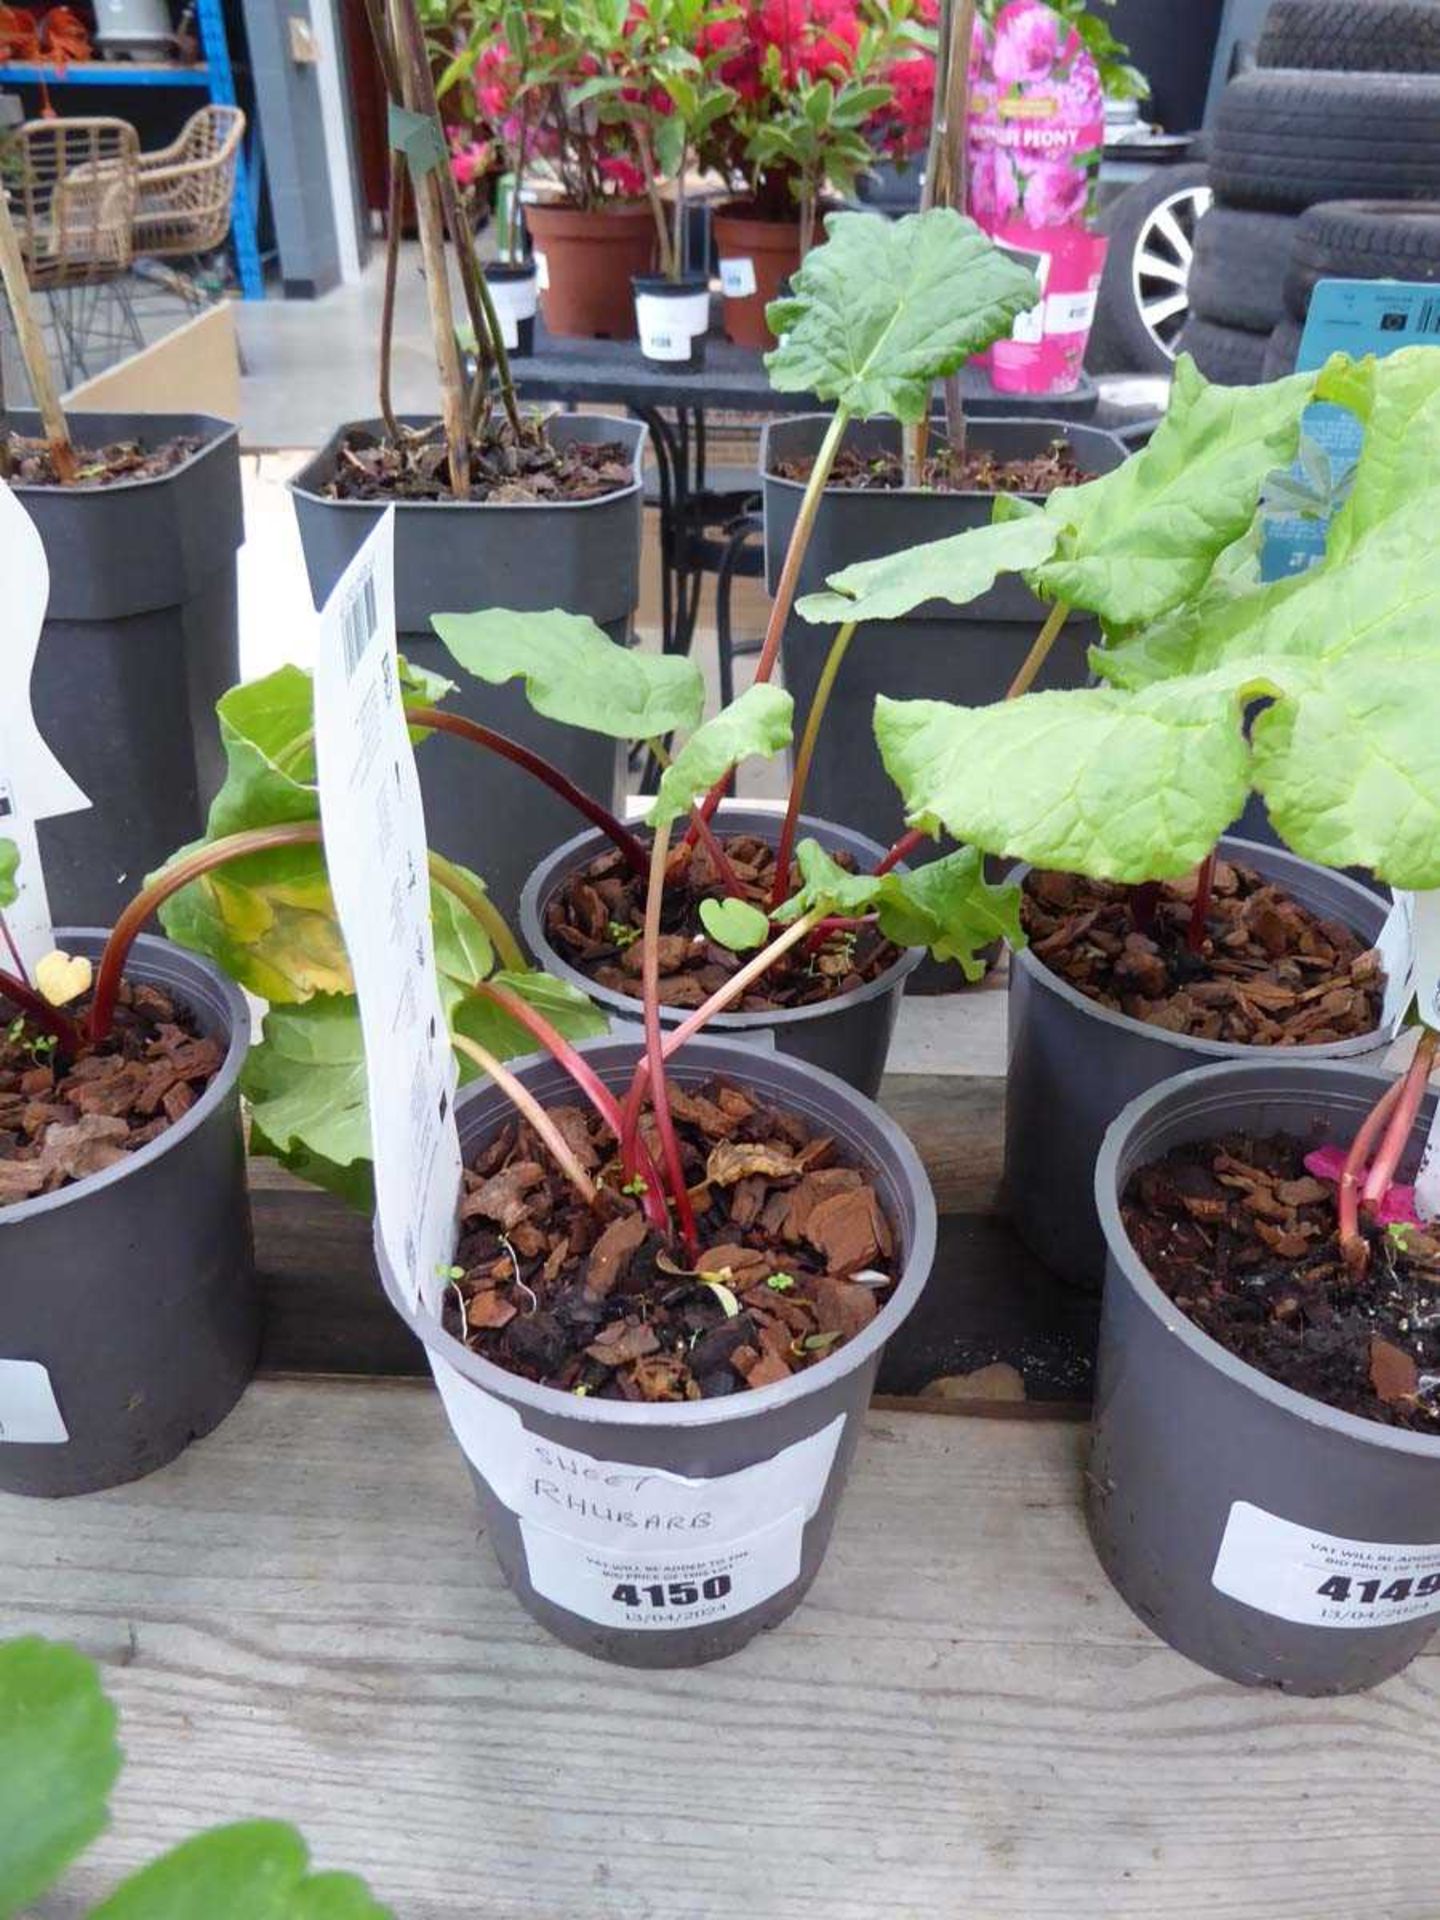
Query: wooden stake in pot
[[32, 348]]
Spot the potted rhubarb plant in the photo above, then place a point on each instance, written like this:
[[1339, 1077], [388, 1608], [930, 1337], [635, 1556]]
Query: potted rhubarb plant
[[122, 1062], [1265, 1483], [1155, 941], [140, 519], [843, 477], [491, 504], [675, 1264], [808, 929]]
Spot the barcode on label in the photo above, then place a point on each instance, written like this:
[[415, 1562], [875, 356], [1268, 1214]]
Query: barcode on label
[[359, 623], [1427, 320]]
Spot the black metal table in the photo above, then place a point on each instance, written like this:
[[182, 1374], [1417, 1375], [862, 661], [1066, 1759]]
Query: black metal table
[[673, 405]]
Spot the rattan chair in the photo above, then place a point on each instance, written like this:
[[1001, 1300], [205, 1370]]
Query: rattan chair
[[71, 187], [187, 191]]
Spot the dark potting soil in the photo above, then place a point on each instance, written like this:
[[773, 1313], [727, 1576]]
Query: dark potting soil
[[595, 920], [591, 1301], [944, 471], [503, 468], [1245, 1242], [1270, 972], [61, 1121], [30, 464]]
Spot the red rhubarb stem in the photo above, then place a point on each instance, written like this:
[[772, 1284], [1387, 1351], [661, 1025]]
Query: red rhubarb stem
[[1200, 912], [590, 1084], [654, 1046], [234, 846], [437, 720], [1397, 1134], [705, 833], [37, 1008], [1352, 1241], [907, 844], [13, 950], [734, 987]]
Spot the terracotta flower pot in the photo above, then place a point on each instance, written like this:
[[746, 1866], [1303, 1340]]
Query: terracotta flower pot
[[756, 257], [585, 262]]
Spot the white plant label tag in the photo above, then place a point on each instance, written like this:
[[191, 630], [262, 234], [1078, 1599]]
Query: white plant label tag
[[648, 1591], [737, 278], [33, 784], [1396, 948], [587, 1514], [29, 1412], [542, 270], [1320, 1579], [375, 852], [1070, 312]]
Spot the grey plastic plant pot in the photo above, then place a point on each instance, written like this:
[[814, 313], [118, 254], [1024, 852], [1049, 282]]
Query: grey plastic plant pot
[[597, 1445], [1185, 1433], [459, 556], [135, 1289], [967, 655], [848, 1036], [1074, 1065], [140, 641]]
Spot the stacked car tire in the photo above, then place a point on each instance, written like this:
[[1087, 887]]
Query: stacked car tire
[[1344, 106]]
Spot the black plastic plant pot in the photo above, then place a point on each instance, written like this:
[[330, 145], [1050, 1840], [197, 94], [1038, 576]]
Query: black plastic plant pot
[[456, 557], [672, 318], [133, 1292], [848, 1036], [669, 1534], [515, 293], [1074, 1065], [1264, 1535], [140, 641], [967, 655]]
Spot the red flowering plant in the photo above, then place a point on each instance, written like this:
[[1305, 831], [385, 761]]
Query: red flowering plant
[[518, 78], [654, 83], [810, 78]]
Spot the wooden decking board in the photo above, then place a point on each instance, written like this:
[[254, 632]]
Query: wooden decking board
[[962, 1721]]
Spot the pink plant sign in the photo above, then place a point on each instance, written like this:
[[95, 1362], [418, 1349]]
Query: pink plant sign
[[1037, 125]]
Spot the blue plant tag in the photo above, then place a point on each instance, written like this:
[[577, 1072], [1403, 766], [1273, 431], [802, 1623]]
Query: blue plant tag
[[1357, 317]]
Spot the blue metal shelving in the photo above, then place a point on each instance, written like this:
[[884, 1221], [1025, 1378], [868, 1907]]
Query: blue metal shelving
[[215, 77]]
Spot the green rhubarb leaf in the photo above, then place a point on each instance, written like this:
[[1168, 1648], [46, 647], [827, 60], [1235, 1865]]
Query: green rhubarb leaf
[[956, 570], [734, 924], [1145, 537], [268, 920], [760, 722], [947, 906], [305, 1081], [266, 729], [576, 674], [1350, 765], [463, 949], [886, 307], [1399, 400], [565, 1007], [9, 867], [950, 907], [58, 1762], [1119, 786], [254, 1870], [826, 886]]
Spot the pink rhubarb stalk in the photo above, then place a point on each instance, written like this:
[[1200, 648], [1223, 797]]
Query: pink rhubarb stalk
[[1352, 1242], [654, 1048], [1402, 1120]]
